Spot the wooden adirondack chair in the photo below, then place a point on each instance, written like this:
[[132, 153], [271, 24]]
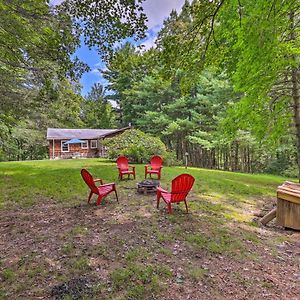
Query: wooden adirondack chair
[[102, 190], [155, 167], [181, 186], [123, 167]]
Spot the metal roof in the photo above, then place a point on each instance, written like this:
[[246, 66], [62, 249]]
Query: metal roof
[[83, 134]]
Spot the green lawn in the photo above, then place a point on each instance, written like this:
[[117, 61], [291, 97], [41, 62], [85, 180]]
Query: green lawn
[[29, 182], [131, 250]]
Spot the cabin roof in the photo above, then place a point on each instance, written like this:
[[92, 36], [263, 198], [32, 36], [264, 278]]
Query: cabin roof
[[83, 134]]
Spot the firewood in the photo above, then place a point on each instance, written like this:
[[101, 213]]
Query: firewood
[[269, 216]]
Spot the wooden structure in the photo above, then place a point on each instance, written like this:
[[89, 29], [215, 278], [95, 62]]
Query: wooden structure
[[91, 145], [288, 205], [287, 212]]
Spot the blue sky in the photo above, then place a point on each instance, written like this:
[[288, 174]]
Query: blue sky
[[156, 11]]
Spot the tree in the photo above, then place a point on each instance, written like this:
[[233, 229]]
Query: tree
[[39, 42], [257, 43], [38, 69], [97, 112], [105, 23], [36, 52], [124, 69], [23, 138]]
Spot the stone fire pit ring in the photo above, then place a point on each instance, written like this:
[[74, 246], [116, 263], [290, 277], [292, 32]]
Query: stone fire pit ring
[[147, 186]]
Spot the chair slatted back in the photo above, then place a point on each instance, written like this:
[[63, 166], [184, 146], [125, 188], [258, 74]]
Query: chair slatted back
[[122, 163], [156, 162], [181, 186], [88, 179]]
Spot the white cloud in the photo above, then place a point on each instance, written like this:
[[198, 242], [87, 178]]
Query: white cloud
[[158, 10], [149, 43], [113, 103], [98, 68], [95, 71], [151, 36], [56, 2], [100, 64], [102, 81]]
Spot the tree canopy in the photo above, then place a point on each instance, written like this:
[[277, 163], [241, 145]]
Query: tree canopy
[[222, 82], [39, 71]]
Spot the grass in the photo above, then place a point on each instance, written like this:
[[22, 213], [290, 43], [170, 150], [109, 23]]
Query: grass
[[8, 275], [197, 273], [140, 280], [78, 230], [26, 183], [130, 249]]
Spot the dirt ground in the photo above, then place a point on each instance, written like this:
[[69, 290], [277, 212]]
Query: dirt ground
[[131, 250]]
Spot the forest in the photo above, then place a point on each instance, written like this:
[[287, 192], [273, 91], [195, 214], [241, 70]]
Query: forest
[[221, 83]]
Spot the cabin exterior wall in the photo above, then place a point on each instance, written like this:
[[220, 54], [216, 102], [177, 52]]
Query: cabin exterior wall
[[75, 150]]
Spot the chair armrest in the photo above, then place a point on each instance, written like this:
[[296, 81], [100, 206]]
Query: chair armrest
[[161, 190], [108, 184], [98, 179], [132, 167]]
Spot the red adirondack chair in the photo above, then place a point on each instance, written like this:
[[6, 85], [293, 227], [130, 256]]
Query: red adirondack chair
[[102, 190], [155, 166], [181, 186], [123, 167]]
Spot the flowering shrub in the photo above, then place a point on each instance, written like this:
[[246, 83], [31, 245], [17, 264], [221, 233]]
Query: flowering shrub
[[136, 145]]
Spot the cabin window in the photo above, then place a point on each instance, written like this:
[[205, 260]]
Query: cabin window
[[93, 144], [84, 145], [64, 147]]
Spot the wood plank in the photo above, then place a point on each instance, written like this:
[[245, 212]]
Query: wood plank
[[287, 189], [288, 214], [292, 185], [269, 216], [291, 197]]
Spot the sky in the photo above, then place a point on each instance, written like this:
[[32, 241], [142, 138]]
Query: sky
[[156, 11]]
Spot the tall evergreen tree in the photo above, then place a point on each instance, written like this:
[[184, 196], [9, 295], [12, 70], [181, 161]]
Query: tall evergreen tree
[[97, 112]]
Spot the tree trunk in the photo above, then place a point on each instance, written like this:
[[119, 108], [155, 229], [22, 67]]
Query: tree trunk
[[226, 158], [236, 157], [296, 100], [296, 94]]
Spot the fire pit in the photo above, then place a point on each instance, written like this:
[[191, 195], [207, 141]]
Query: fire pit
[[147, 186]]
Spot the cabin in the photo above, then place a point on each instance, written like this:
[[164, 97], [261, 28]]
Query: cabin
[[79, 143]]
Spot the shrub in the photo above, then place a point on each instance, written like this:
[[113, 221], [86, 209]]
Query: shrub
[[291, 171], [136, 145], [170, 159]]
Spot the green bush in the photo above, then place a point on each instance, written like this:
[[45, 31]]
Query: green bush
[[170, 159], [291, 171], [136, 145]]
